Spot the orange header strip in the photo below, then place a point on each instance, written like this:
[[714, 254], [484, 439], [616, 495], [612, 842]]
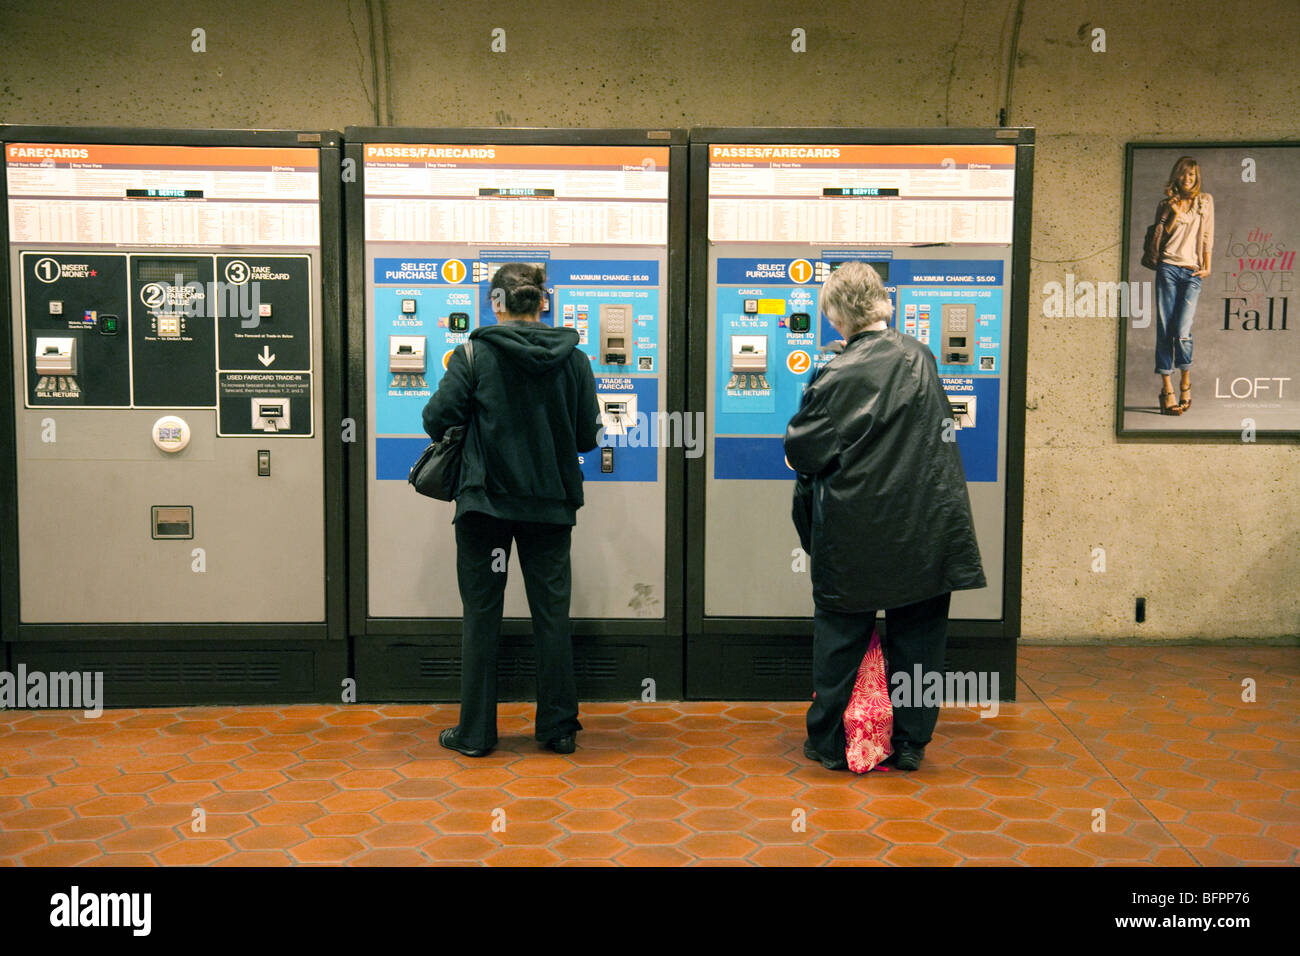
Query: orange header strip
[[858, 154], [253, 157], [497, 154]]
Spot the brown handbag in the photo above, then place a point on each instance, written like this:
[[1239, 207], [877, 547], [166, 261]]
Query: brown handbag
[[1153, 243]]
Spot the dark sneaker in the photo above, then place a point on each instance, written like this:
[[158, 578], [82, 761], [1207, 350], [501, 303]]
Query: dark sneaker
[[830, 763], [450, 738], [908, 757], [563, 745]]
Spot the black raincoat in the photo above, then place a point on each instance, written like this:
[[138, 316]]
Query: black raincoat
[[890, 521]]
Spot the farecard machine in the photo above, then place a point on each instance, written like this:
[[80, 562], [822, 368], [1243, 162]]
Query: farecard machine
[[172, 391], [944, 217], [431, 215]]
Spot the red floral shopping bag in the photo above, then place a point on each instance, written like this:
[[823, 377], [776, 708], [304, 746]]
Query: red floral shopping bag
[[869, 718]]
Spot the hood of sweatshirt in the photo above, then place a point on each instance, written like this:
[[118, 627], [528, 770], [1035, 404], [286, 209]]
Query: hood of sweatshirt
[[532, 347]]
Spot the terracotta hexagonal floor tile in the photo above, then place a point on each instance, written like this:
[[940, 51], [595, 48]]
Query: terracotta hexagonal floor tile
[[1254, 849], [460, 847], [535, 787], [399, 835], [908, 831], [280, 814], [38, 819], [589, 798], [654, 856], [595, 776], [326, 849], [241, 802], [14, 843], [824, 820], [392, 856], [193, 852], [726, 846], [921, 856], [652, 808], [591, 821], [163, 815], [411, 811], [589, 846], [897, 808], [341, 824], [1039, 834], [477, 798], [21, 786], [789, 856], [310, 791], [973, 846], [653, 786], [720, 820], [851, 845], [91, 829], [715, 797], [653, 833], [61, 854], [271, 837], [967, 820], [510, 832], [141, 840], [114, 806], [522, 856]]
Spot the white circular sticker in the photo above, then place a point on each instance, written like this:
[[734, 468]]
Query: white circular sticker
[[170, 433]]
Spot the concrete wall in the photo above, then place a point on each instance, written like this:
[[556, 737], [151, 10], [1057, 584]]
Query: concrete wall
[[1209, 533]]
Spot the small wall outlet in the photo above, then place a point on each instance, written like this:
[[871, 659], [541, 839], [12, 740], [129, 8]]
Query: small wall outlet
[[1141, 612]]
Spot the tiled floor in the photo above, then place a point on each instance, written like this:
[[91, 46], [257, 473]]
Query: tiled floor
[[1111, 755]]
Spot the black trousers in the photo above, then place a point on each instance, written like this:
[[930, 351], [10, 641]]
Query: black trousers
[[482, 552], [915, 634]]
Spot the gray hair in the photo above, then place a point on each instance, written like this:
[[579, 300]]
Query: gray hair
[[854, 298]]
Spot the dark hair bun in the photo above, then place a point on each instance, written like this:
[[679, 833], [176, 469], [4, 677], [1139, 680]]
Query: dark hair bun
[[521, 286]]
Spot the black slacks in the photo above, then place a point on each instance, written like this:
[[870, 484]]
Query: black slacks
[[482, 552], [914, 634]]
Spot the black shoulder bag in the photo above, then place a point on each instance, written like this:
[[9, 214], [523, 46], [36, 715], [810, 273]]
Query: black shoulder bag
[[436, 473]]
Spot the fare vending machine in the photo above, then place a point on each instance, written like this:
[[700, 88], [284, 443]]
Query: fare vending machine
[[172, 398], [943, 216], [431, 216]]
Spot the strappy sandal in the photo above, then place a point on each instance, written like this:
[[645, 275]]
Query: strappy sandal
[[1186, 403], [1169, 409]]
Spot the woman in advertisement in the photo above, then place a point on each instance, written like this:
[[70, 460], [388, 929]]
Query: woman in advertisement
[[1184, 236]]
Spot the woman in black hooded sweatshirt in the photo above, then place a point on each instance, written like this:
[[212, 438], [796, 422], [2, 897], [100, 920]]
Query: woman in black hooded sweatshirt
[[530, 398]]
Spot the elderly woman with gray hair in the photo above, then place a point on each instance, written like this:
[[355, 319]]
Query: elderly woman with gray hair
[[890, 524]]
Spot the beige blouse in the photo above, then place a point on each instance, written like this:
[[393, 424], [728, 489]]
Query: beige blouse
[[1191, 236]]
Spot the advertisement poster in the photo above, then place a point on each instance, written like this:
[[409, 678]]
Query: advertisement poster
[[1218, 312]]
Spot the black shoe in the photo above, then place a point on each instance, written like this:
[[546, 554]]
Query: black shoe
[[450, 738], [562, 745], [829, 763], [908, 757]]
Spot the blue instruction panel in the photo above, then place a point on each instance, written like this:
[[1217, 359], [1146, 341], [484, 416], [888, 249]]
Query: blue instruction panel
[[770, 333], [440, 221]]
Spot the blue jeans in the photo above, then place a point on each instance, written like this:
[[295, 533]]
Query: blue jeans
[[1176, 293]]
